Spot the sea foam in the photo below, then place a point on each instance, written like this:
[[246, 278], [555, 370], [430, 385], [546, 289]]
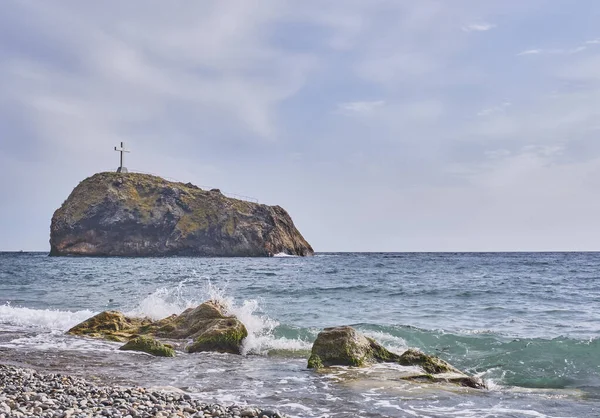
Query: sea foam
[[168, 301], [51, 319]]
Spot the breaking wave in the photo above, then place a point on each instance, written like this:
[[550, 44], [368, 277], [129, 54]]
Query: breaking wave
[[499, 359]]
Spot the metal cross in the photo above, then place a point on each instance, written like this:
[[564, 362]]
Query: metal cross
[[122, 150]]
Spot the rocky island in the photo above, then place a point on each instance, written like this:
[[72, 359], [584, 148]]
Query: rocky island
[[133, 214]]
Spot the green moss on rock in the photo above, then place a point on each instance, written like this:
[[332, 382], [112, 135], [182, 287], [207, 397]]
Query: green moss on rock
[[341, 346], [111, 325], [149, 345], [344, 346], [314, 362], [430, 364], [208, 326], [226, 336]]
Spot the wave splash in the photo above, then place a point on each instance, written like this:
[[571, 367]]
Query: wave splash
[[501, 360], [49, 319], [164, 302]]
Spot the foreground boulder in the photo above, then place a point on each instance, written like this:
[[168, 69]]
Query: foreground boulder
[[149, 345], [131, 214], [110, 325], [344, 346], [208, 326]]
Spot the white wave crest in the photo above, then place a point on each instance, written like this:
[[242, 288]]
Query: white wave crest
[[391, 342], [164, 302], [42, 318]]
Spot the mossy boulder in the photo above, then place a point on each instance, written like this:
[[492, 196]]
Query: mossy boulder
[[149, 345], [110, 325], [430, 364], [132, 214], [209, 326], [224, 336], [344, 346]]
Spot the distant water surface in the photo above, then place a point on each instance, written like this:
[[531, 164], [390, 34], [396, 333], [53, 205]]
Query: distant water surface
[[527, 323]]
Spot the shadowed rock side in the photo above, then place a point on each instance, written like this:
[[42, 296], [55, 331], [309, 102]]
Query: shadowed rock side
[[118, 214], [207, 326], [344, 346]]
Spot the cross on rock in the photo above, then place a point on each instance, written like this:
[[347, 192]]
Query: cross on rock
[[122, 150]]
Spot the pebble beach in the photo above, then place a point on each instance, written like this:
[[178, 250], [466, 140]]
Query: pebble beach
[[27, 393]]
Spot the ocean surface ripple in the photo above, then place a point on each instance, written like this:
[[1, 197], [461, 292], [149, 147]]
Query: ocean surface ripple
[[527, 323]]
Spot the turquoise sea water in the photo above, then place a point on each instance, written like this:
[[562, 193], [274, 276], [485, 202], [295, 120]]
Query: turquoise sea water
[[527, 323]]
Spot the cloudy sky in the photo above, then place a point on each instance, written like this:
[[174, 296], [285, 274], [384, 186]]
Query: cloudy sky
[[380, 125]]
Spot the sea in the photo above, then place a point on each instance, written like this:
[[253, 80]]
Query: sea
[[528, 324]]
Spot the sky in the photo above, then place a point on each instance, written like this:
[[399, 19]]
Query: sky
[[379, 125]]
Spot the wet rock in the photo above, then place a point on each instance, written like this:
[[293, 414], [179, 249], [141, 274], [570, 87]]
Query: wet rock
[[109, 325], [149, 345], [208, 326], [344, 346]]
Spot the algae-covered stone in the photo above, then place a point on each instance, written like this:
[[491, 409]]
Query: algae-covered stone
[[455, 378], [344, 346], [430, 364], [133, 214], [209, 326], [224, 336], [193, 321], [149, 345], [110, 325]]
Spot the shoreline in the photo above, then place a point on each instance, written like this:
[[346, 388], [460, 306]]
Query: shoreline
[[25, 392]]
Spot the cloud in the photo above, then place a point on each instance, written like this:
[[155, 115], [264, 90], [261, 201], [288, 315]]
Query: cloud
[[153, 68], [478, 27], [360, 106], [301, 104], [495, 109], [570, 51], [530, 52]]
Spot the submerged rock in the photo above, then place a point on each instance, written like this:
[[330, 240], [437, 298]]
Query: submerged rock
[[208, 326], [131, 214], [430, 364], [344, 346], [149, 345]]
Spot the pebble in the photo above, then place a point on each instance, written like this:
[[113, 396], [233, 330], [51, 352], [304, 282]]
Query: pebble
[[27, 393]]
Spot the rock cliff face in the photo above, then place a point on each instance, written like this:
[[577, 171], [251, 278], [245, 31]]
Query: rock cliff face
[[117, 214]]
